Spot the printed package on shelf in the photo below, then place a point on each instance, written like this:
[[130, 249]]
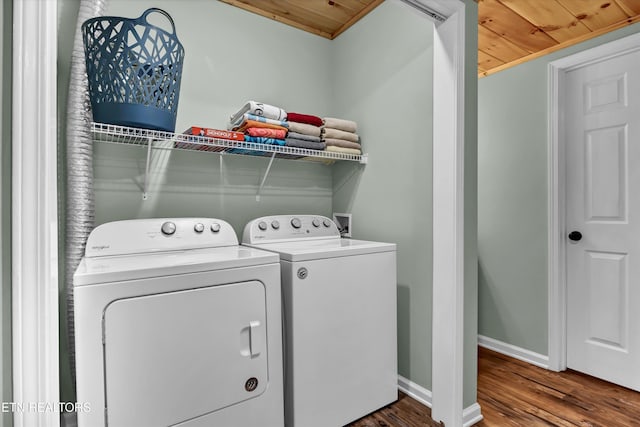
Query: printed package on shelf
[[208, 133]]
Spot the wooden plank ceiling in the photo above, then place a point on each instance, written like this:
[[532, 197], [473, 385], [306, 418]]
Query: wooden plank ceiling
[[326, 18], [510, 32]]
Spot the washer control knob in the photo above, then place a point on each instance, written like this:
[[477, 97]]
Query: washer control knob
[[275, 224], [215, 227], [168, 228], [262, 225], [199, 227], [316, 222], [296, 223], [326, 223]]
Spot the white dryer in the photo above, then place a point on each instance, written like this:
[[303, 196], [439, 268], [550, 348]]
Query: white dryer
[[339, 305], [177, 325]]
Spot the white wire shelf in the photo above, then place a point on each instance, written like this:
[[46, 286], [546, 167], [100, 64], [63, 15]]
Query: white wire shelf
[[134, 136], [160, 140]]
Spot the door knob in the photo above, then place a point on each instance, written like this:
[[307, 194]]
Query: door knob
[[575, 236]]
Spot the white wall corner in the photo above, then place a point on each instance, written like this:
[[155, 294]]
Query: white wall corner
[[516, 352], [34, 213]]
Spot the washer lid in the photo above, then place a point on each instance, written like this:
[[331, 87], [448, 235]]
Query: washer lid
[[139, 266], [329, 248]]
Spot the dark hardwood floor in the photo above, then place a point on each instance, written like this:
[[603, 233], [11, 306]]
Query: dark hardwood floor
[[405, 412], [515, 393]]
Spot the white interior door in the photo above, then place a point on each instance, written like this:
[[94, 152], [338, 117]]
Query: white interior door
[[603, 219]]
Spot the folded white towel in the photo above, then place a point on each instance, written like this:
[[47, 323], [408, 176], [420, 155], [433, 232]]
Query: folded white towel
[[259, 109], [345, 125]]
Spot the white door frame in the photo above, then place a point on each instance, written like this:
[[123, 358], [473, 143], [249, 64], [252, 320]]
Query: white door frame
[[35, 214], [448, 218], [556, 162], [35, 303]]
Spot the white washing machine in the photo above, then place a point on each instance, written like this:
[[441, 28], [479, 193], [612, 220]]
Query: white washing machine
[[339, 305], [177, 325]]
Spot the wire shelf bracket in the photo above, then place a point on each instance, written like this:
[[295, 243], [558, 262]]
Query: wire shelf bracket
[[114, 134]]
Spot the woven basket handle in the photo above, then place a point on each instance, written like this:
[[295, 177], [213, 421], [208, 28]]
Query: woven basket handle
[[155, 9]]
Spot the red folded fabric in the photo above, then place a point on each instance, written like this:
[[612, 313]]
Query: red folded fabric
[[267, 133], [304, 118]]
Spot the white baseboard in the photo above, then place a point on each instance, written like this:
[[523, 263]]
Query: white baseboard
[[414, 390], [470, 415], [513, 351]]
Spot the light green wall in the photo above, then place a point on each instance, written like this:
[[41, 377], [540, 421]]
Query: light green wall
[[5, 209], [383, 69], [471, 205], [383, 73], [512, 195], [231, 56]]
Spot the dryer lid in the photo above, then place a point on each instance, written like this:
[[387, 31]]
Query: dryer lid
[[141, 266]]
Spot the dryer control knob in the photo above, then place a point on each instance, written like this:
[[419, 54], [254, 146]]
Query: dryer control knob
[[316, 222], [296, 223], [199, 227], [275, 224], [215, 227], [262, 225], [326, 223], [168, 228]]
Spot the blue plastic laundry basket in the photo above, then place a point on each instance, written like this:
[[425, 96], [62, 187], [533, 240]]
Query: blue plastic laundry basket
[[134, 70]]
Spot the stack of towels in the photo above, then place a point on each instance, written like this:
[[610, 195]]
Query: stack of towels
[[260, 123], [340, 136], [304, 131], [267, 124]]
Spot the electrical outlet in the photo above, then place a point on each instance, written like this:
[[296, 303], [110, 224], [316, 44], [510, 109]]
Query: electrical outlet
[[343, 221]]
